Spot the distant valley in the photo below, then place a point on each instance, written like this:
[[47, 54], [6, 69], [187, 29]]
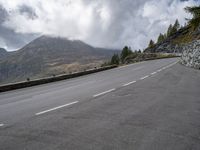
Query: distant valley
[[50, 56]]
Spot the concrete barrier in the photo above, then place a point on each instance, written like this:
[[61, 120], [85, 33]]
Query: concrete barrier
[[9, 87]]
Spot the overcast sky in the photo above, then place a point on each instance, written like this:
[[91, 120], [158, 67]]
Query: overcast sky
[[102, 23]]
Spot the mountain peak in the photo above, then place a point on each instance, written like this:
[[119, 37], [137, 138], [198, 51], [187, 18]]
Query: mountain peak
[[49, 43]]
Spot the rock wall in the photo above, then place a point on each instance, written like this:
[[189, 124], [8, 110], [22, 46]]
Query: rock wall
[[165, 47], [191, 54], [168, 45]]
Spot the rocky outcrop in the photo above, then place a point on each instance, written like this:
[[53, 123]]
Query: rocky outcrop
[[171, 44], [176, 42], [191, 54]]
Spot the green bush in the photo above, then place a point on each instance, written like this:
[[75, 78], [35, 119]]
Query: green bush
[[115, 60]]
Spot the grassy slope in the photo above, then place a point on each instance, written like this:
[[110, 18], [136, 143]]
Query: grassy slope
[[186, 35]]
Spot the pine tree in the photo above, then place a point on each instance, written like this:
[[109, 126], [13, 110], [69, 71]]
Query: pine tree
[[161, 38], [177, 24], [175, 27], [125, 52], [165, 35], [195, 21], [151, 44], [115, 59], [169, 31]]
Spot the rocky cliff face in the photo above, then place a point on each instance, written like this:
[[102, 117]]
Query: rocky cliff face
[[173, 43], [176, 42], [191, 54]]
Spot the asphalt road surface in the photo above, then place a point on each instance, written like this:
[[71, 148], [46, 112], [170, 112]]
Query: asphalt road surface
[[149, 105]]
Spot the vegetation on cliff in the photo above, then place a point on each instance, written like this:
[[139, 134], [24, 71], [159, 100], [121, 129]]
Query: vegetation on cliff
[[177, 35]]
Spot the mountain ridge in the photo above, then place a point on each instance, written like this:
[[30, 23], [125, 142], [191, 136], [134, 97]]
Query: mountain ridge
[[46, 56]]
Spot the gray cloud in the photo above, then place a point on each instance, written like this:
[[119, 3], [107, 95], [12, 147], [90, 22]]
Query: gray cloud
[[9, 39], [104, 23]]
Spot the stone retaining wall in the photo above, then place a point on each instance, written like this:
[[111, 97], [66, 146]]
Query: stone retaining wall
[[191, 54]]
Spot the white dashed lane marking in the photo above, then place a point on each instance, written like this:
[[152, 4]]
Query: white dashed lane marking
[[153, 73], [104, 93], [144, 77], [129, 83], [52, 109], [1, 125]]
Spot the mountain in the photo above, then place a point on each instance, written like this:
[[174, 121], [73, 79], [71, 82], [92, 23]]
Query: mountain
[[47, 56], [61, 50]]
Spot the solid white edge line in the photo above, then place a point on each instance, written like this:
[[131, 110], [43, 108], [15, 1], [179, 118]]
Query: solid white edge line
[[104, 93], [129, 83], [1, 125], [55, 108], [144, 77]]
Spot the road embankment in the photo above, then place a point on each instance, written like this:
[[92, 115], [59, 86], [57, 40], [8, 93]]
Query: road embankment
[[19, 85]]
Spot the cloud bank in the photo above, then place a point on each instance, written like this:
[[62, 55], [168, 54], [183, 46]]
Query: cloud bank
[[102, 23]]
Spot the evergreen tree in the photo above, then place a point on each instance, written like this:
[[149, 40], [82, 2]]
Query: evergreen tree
[[125, 52], [195, 21], [165, 35], [169, 31], [175, 27], [151, 44], [161, 38], [115, 59], [177, 24]]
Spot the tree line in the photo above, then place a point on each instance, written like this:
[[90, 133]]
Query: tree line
[[194, 23], [117, 59], [170, 31], [121, 58]]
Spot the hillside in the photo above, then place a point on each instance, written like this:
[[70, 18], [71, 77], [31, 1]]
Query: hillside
[[47, 56], [182, 40], [175, 42]]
